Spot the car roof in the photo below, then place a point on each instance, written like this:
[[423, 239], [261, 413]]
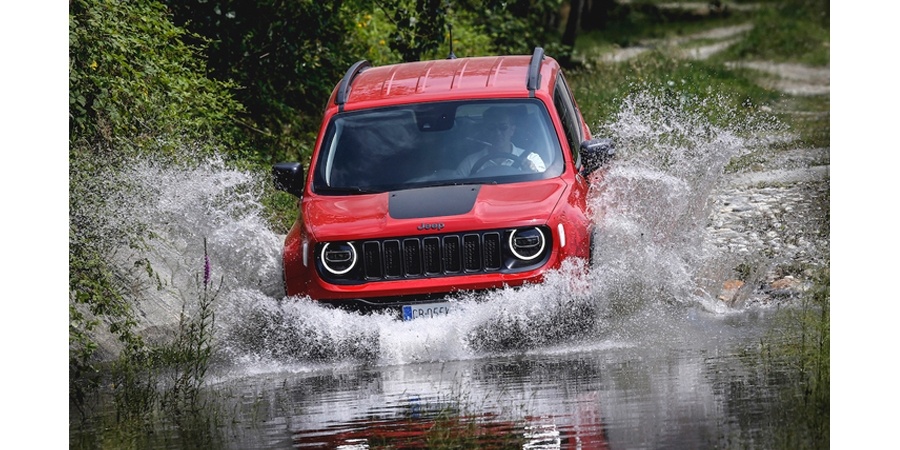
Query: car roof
[[365, 86]]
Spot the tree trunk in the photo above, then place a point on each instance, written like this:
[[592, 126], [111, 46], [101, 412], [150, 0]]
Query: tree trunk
[[572, 22], [596, 14]]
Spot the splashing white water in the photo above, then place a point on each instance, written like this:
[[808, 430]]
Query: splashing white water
[[652, 243], [651, 249]]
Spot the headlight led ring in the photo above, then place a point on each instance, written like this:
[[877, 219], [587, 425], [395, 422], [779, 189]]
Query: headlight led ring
[[529, 243], [339, 261]]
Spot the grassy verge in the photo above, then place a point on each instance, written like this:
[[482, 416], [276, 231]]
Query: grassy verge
[[787, 31], [810, 119], [794, 31], [803, 341], [601, 89]]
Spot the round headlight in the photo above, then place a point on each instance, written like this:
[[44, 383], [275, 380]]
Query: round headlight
[[527, 244], [338, 257]]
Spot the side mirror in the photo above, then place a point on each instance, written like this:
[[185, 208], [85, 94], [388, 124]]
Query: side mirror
[[288, 177], [595, 153]]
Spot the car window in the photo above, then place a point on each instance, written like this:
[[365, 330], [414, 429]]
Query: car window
[[565, 107], [437, 143]]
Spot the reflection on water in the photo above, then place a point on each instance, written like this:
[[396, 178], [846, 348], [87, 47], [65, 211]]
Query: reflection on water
[[692, 386]]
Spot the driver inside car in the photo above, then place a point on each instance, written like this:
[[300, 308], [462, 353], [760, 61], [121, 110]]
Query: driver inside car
[[501, 127]]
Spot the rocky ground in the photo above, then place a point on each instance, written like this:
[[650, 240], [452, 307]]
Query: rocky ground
[[776, 221]]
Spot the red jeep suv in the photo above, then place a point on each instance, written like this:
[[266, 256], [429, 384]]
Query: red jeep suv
[[433, 177]]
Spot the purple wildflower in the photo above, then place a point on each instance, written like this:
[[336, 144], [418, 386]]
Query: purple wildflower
[[205, 270], [205, 265]]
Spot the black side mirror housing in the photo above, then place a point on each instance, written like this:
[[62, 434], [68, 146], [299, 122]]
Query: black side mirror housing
[[288, 177], [595, 153]]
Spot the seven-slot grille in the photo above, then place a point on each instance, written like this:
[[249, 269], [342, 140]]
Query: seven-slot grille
[[415, 257]]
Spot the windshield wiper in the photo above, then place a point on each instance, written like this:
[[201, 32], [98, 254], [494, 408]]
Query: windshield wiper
[[456, 183], [345, 190]]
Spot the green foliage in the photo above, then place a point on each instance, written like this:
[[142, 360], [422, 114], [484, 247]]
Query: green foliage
[[282, 209], [189, 356], [792, 30], [419, 26], [517, 27], [372, 29], [166, 378], [376, 35], [284, 59], [420, 29], [96, 297], [134, 83]]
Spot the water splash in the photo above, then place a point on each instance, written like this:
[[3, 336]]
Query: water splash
[[298, 329], [176, 207], [651, 244]]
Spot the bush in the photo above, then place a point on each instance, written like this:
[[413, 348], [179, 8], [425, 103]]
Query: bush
[[134, 83], [135, 88]]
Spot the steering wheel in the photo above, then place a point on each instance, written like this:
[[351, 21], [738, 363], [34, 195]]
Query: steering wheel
[[498, 156]]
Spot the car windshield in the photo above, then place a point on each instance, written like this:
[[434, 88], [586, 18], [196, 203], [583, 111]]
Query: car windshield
[[433, 144]]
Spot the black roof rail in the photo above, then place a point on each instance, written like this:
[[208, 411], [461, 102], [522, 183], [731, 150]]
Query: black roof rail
[[451, 55], [534, 71], [344, 88]]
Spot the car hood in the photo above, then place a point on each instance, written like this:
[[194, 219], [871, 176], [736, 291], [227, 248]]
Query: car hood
[[444, 209]]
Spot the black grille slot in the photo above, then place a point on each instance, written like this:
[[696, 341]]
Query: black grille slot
[[452, 258], [472, 252], [431, 255], [412, 257], [372, 260], [392, 259], [491, 252]]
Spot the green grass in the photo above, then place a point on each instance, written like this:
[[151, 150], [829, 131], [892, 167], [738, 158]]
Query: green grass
[[809, 117], [788, 31], [793, 31], [631, 24], [601, 89]]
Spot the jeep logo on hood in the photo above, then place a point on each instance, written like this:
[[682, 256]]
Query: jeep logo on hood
[[430, 226]]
